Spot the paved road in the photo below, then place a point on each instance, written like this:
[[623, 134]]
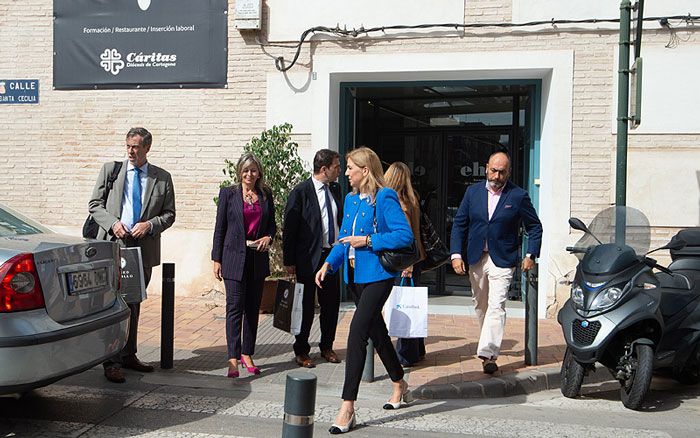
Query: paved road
[[189, 405]]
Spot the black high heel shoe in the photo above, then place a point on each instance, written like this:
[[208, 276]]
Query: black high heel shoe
[[337, 429]]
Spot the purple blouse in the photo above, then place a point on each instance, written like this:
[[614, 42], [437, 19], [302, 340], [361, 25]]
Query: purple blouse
[[252, 213]]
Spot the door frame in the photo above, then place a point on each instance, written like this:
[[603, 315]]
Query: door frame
[[531, 156]]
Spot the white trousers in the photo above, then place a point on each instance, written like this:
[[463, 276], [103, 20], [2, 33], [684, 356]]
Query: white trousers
[[490, 289]]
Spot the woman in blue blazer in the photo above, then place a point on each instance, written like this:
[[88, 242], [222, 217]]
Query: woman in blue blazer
[[245, 225], [360, 241]]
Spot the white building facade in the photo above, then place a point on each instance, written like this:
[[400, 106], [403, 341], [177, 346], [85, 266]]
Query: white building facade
[[438, 98]]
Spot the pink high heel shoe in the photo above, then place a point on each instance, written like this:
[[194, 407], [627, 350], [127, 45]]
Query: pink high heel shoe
[[252, 369], [232, 372]]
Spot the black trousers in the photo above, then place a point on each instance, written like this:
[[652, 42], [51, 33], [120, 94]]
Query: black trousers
[[368, 323], [129, 349], [243, 310], [328, 300]]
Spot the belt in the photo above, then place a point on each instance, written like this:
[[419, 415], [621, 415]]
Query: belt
[[351, 262]]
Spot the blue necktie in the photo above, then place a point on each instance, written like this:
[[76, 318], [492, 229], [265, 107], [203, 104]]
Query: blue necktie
[[136, 195], [329, 211]]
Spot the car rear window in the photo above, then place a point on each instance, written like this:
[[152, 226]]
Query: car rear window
[[13, 224]]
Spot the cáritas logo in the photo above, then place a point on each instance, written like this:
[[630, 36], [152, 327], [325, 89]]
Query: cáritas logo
[[111, 61]]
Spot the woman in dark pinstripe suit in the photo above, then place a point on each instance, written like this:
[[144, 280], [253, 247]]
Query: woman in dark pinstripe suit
[[245, 226]]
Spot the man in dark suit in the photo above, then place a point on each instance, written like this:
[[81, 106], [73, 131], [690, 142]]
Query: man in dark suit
[[311, 222], [487, 223], [140, 206]]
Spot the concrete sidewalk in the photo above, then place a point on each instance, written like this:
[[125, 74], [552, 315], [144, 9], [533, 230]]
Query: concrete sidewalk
[[450, 368]]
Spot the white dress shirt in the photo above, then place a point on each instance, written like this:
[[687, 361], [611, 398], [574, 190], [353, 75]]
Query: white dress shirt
[[321, 196], [127, 204]]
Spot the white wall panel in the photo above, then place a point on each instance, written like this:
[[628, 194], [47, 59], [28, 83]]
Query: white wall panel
[[665, 187], [288, 19], [670, 90], [289, 101]]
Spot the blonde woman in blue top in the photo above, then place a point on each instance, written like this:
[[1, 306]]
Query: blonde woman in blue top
[[368, 282]]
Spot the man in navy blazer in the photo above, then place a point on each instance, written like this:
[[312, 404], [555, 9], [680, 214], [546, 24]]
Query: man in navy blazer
[[311, 222], [487, 224]]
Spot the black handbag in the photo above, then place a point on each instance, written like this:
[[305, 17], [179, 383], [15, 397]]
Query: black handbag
[[436, 253], [90, 227], [397, 259]]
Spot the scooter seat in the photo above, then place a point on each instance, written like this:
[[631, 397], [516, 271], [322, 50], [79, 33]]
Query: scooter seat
[[674, 281], [689, 264]]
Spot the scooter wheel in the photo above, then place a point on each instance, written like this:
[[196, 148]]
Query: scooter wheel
[[571, 375], [634, 389]]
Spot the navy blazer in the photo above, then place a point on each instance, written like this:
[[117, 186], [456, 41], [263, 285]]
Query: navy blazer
[[303, 232], [229, 246], [393, 232], [472, 225]]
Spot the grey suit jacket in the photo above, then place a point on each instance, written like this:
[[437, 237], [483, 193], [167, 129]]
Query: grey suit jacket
[[158, 208]]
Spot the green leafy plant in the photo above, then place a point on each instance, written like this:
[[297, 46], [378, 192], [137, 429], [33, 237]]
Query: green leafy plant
[[283, 169]]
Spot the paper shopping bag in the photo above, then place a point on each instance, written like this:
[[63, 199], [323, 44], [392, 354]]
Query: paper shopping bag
[[406, 312], [297, 309], [133, 285], [288, 306]]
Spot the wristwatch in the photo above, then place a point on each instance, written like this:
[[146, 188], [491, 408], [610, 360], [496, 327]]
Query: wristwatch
[[531, 257], [368, 241]]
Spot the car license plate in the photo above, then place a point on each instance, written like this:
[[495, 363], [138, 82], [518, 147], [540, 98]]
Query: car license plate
[[85, 280]]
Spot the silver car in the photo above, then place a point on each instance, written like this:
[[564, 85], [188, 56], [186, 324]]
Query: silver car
[[60, 312]]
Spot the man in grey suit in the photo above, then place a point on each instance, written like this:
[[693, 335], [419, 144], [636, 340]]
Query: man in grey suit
[[138, 208]]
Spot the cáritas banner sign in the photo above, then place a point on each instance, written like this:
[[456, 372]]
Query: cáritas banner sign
[[100, 44]]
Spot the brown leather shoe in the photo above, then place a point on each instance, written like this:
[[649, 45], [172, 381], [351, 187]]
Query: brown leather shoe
[[489, 366], [114, 374], [303, 360], [330, 356], [133, 363]]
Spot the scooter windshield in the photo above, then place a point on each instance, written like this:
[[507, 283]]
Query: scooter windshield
[[637, 232]]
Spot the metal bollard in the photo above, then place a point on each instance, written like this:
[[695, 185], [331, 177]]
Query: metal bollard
[[299, 405], [531, 318], [368, 371], [167, 316]]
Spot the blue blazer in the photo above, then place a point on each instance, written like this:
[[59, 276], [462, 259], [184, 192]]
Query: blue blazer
[[393, 232], [472, 225], [229, 246]]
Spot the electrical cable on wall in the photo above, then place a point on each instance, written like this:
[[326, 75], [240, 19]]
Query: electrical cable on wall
[[674, 40], [354, 33]]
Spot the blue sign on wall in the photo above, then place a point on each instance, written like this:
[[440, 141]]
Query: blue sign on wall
[[19, 91]]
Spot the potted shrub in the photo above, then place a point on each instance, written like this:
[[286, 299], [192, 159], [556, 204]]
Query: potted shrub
[[283, 169]]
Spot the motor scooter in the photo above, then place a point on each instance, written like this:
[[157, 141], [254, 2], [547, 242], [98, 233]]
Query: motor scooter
[[626, 311]]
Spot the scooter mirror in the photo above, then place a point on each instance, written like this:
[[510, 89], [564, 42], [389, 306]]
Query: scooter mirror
[[676, 244], [577, 224]]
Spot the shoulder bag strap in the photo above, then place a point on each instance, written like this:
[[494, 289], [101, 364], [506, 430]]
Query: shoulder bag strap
[[113, 176]]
